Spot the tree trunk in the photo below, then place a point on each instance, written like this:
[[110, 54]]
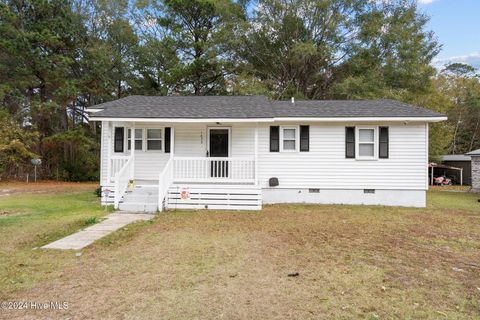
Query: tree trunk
[[454, 140], [472, 141], [119, 89]]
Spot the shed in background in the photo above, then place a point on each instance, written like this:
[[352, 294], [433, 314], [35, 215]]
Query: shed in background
[[459, 161]]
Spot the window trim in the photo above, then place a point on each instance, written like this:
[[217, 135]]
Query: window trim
[[374, 143], [297, 138], [145, 139], [127, 139], [161, 139]]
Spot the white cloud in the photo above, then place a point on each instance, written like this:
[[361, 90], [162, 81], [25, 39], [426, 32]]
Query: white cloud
[[472, 59], [422, 2]]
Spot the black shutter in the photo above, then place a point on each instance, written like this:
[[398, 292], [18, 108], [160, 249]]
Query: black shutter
[[274, 139], [167, 140], [383, 145], [304, 138], [119, 142], [349, 142]]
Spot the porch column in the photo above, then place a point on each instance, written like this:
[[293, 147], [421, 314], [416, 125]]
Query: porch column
[[110, 147], [256, 154], [132, 151], [172, 142]]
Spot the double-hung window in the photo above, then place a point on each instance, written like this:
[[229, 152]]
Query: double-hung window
[[154, 139], [138, 139], [289, 138], [366, 143]]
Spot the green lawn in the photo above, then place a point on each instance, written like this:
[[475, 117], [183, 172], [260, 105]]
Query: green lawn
[[353, 261]]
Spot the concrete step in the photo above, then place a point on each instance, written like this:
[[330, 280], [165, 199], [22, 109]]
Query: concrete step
[[138, 207], [143, 191], [140, 198]]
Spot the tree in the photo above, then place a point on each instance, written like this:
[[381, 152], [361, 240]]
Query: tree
[[460, 83], [16, 146], [391, 53], [202, 32], [295, 46]]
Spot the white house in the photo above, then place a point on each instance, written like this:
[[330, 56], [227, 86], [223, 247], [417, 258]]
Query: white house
[[237, 152]]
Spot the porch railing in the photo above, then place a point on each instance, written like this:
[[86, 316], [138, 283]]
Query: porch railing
[[165, 179], [214, 169], [116, 164], [122, 178]]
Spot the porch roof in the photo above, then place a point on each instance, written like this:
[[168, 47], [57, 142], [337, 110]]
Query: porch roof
[[257, 107]]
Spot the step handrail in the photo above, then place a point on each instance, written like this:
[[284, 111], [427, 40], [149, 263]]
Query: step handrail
[[122, 178], [165, 180]]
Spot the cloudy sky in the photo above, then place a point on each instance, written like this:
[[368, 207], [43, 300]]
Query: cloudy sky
[[457, 26]]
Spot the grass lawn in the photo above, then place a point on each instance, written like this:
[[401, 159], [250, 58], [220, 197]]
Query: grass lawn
[[352, 261]]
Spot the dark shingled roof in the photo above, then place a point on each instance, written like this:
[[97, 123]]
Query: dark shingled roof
[[349, 109], [245, 107], [192, 107]]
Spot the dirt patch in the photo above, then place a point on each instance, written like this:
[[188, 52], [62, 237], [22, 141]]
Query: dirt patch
[[450, 188], [44, 187]]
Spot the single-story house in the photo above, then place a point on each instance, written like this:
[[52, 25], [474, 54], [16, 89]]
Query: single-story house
[[475, 154], [239, 152], [459, 161]]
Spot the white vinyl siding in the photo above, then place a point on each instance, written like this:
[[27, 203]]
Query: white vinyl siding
[[104, 152], [325, 166]]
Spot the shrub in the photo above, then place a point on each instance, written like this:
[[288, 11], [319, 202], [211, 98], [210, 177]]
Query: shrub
[[91, 220]]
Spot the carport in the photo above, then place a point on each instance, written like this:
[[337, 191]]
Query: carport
[[435, 167]]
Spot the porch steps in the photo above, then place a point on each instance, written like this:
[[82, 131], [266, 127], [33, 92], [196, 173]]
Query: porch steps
[[143, 198], [221, 197]]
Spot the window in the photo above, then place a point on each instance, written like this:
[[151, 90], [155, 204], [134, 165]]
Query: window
[[154, 139], [138, 139], [366, 145], [289, 139]]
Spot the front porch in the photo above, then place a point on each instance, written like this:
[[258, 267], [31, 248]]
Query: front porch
[[209, 170], [180, 179]]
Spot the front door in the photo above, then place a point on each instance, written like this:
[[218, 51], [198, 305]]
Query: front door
[[218, 146]]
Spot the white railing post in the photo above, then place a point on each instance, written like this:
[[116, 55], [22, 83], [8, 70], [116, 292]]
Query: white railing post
[[116, 199], [122, 178], [132, 151], [212, 170], [255, 163], [110, 147], [165, 179], [172, 142]]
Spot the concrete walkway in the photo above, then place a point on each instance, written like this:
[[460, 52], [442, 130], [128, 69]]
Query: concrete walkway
[[87, 236]]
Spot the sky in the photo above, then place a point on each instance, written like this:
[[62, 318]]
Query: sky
[[456, 23]]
